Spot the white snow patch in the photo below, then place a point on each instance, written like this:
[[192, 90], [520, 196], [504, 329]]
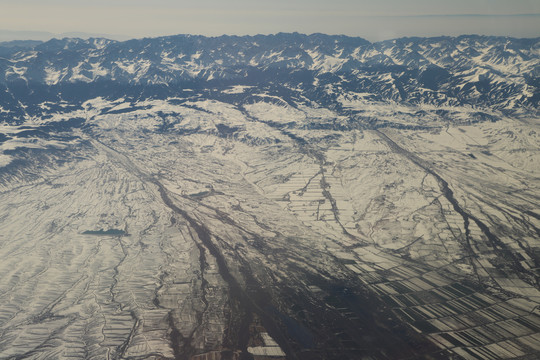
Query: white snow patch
[[19, 70], [5, 160], [237, 89]]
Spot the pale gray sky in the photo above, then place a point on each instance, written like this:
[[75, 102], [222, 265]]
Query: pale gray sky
[[371, 19]]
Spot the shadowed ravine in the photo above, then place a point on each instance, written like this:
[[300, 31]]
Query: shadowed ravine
[[503, 251]]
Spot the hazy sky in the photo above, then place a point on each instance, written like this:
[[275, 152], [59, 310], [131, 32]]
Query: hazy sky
[[371, 19]]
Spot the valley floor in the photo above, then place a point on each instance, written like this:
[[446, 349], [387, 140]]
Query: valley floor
[[207, 230]]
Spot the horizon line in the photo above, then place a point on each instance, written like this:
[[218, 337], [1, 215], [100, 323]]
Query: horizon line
[[128, 38]]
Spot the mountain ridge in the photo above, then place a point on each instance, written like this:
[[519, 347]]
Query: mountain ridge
[[494, 72]]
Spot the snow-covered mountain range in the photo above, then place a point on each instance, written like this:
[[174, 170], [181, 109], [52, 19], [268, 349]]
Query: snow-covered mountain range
[[495, 72], [270, 197]]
